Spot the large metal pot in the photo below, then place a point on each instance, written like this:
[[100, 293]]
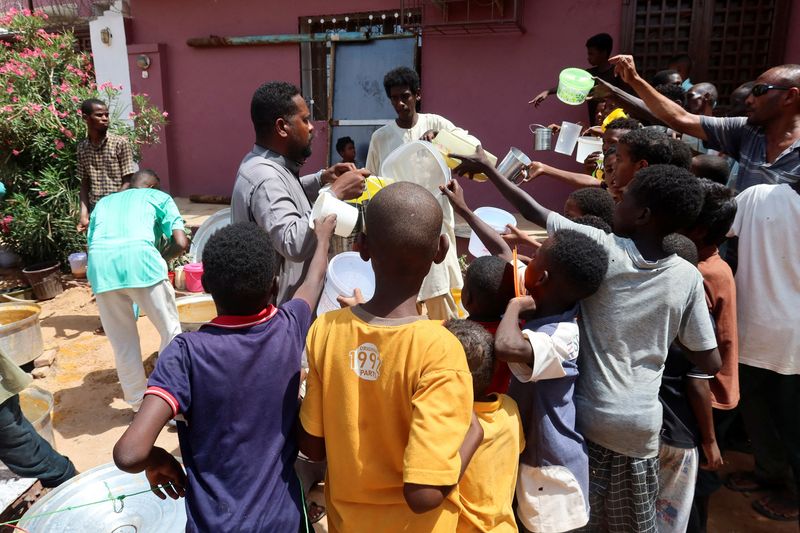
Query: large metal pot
[[143, 513], [20, 332], [194, 311]]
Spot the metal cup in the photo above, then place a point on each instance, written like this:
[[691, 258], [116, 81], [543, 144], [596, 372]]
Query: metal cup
[[513, 164], [542, 137]]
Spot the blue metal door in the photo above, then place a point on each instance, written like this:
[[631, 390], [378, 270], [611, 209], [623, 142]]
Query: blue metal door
[[360, 105]]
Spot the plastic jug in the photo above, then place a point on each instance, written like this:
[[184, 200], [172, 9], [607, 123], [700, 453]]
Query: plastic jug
[[453, 143], [567, 138], [194, 274]]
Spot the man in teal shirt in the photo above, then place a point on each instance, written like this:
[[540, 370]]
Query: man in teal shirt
[[126, 267]]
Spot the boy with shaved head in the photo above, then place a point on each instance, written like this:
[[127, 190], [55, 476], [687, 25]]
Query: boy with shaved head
[[389, 395]]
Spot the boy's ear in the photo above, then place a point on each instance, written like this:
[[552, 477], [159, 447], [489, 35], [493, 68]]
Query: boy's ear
[[644, 217], [642, 164], [273, 290], [441, 253], [361, 246], [544, 278]]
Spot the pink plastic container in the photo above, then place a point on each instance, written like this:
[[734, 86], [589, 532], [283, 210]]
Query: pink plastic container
[[193, 273]]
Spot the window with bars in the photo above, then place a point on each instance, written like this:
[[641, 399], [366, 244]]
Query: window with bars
[[729, 41], [315, 57]]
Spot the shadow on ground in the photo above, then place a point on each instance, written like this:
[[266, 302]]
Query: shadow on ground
[[71, 326], [86, 409]]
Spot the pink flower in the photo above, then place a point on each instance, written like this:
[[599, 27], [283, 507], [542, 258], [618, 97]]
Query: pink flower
[[9, 89], [105, 85], [42, 194], [131, 115], [165, 114], [59, 144], [55, 55], [15, 152]]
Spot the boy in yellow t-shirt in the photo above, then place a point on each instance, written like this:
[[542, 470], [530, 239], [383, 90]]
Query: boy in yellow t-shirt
[[487, 488], [389, 395]]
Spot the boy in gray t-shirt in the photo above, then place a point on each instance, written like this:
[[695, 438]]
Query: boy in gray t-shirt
[[647, 300]]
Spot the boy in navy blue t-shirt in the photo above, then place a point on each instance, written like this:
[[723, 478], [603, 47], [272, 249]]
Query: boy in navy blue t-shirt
[[236, 384]]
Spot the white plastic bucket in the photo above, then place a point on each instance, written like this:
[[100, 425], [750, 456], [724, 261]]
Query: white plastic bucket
[[586, 146], [328, 204], [497, 219], [567, 138], [346, 273]]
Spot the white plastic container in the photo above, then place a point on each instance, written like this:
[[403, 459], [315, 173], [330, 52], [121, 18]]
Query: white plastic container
[[498, 219], [417, 162], [567, 137], [586, 146], [328, 204], [77, 263], [453, 143], [346, 273]]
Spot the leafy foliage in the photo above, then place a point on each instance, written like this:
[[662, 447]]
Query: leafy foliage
[[43, 80]]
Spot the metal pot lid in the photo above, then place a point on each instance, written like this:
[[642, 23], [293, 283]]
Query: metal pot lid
[[143, 513]]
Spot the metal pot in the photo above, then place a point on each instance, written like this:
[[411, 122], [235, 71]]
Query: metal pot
[[142, 513], [542, 137], [20, 332], [194, 311]]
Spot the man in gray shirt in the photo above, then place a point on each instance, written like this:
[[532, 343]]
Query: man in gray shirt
[[766, 143], [269, 189]]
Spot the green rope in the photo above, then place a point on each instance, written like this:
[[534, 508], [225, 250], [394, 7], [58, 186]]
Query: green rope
[[111, 498]]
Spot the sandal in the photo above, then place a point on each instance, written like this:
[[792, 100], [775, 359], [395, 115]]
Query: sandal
[[745, 482], [315, 512], [763, 506]]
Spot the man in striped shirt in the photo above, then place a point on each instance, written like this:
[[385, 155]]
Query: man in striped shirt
[[766, 142]]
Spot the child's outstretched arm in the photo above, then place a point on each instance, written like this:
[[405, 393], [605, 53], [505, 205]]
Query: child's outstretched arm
[[424, 498], [698, 393], [489, 237], [510, 345], [574, 179], [135, 450], [315, 278], [477, 163]]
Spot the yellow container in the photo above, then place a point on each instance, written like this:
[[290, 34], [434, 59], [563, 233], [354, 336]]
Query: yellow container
[[374, 184], [453, 143]]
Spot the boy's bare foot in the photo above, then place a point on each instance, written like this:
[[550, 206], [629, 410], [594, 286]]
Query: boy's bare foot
[[315, 512]]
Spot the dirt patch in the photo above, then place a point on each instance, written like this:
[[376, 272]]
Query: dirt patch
[[89, 414]]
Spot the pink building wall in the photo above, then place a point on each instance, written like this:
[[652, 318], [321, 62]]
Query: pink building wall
[[792, 54], [482, 82]]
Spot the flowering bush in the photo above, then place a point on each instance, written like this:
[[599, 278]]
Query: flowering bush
[[43, 80]]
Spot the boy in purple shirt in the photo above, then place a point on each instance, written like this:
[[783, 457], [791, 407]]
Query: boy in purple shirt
[[235, 382]]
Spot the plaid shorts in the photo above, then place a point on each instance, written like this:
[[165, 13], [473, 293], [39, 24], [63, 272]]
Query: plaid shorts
[[622, 492]]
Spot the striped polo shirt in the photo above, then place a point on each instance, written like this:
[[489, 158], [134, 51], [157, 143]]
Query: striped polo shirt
[[748, 145]]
